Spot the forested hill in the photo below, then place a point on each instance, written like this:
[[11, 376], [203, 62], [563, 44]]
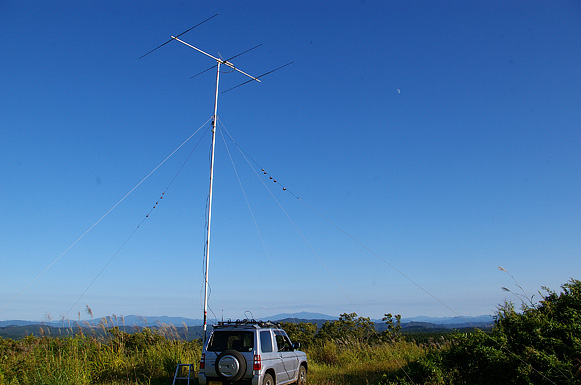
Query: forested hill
[[21, 329]]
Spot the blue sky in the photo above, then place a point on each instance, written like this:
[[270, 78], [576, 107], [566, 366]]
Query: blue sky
[[444, 136]]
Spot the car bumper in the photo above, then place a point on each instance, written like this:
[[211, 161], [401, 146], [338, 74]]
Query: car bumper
[[203, 380]]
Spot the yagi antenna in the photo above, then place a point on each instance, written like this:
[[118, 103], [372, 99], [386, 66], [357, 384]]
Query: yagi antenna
[[219, 61]]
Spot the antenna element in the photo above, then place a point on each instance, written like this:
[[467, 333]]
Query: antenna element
[[186, 31]]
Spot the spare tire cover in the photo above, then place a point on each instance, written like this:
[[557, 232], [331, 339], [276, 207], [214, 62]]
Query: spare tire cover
[[230, 365]]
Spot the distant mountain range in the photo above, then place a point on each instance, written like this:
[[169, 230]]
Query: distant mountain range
[[450, 320], [319, 318], [130, 320], [302, 316], [190, 329]]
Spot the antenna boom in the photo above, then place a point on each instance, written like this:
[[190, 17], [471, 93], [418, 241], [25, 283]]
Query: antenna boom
[[235, 56], [218, 60]]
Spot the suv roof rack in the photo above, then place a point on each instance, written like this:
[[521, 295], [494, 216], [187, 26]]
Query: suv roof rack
[[247, 323]]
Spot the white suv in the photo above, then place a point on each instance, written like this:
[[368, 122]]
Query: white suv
[[251, 352]]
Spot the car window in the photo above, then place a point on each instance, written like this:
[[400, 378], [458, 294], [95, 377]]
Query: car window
[[231, 339], [283, 343], [265, 341]]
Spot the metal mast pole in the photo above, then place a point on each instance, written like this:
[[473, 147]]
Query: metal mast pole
[[210, 205], [218, 63], [227, 62]]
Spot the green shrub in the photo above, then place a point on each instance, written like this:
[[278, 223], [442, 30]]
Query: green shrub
[[301, 332], [540, 344], [324, 352], [348, 328]]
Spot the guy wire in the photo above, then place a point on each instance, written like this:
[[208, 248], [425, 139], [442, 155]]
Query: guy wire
[[139, 225], [97, 222], [361, 244]]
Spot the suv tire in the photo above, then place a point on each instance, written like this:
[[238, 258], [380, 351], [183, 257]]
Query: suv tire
[[267, 380], [230, 366], [302, 379]]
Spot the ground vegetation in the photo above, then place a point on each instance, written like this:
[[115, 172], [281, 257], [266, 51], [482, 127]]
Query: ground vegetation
[[538, 343]]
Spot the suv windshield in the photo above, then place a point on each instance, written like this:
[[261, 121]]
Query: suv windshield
[[242, 341]]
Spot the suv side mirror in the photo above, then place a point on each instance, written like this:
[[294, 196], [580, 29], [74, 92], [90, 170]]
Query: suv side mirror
[[296, 345]]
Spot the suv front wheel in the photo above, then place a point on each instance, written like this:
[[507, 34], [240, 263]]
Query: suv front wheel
[[230, 365], [302, 380]]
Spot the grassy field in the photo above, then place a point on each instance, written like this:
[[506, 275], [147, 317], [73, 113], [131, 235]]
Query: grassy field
[[539, 344], [117, 358], [356, 363], [150, 357]]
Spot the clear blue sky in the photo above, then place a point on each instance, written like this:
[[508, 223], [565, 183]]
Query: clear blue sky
[[444, 136]]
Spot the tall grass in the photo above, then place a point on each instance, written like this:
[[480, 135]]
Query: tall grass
[[113, 357], [353, 362], [146, 357], [151, 357]]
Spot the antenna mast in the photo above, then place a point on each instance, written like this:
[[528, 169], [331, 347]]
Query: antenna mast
[[219, 62], [214, 119]]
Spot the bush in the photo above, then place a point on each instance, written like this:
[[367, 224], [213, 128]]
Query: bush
[[302, 332], [541, 344], [347, 329]]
